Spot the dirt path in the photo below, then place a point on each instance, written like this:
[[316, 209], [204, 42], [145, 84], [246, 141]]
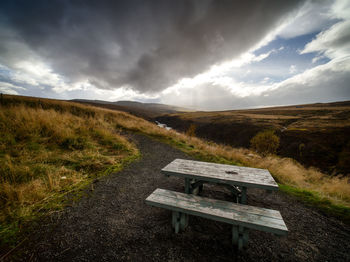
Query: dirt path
[[114, 224]]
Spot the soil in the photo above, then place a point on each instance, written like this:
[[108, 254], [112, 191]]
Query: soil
[[112, 223]]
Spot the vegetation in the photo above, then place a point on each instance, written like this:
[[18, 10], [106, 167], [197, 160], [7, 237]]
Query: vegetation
[[191, 131], [314, 135], [330, 194], [315, 199], [265, 142], [49, 148], [286, 171]]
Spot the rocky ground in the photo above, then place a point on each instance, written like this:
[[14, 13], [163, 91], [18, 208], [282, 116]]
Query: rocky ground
[[112, 223]]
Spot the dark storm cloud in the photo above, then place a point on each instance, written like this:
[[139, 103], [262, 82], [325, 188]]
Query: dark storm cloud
[[147, 45]]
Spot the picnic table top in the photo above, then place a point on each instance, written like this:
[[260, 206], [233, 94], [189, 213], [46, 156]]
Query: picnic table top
[[221, 173]]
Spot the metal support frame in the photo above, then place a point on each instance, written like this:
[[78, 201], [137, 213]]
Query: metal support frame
[[179, 221], [240, 236], [176, 221], [196, 187]]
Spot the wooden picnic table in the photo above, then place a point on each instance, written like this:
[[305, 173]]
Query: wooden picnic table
[[242, 216], [240, 178]]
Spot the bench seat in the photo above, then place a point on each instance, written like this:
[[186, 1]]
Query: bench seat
[[242, 217]]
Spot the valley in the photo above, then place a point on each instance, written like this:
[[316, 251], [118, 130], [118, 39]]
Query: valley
[[315, 135]]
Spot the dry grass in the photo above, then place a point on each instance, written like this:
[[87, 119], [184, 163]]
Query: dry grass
[[47, 146], [48, 149], [285, 170], [307, 116]]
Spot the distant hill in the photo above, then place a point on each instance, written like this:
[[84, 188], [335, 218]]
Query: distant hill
[[148, 111], [313, 134]]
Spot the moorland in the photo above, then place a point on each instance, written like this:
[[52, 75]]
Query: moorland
[[52, 152], [316, 135]]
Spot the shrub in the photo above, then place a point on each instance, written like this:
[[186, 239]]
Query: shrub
[[265, 142], [191, 131]]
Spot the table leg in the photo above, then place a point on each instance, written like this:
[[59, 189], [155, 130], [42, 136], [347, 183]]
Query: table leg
[[187, 186], [240, 237], [235, 235], [183, 221], [176, 221], [245, 236], [244, 196]]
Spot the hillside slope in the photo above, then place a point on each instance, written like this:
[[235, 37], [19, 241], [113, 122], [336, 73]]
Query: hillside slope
[[147, 111], [314, 135], [50, 148]]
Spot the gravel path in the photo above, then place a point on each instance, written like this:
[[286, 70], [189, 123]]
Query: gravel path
[[114, 224]]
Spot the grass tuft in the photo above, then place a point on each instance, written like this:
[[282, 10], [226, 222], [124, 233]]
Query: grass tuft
[[315, 199]]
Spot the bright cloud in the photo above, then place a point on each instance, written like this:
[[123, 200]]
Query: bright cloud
[[334, 42], [217, 75], [9, 88], [292, 69], [313, 16]]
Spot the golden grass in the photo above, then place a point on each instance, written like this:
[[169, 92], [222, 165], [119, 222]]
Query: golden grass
[[50, 147], [285, 170], [308, 117], [269, 117], [47, 145]]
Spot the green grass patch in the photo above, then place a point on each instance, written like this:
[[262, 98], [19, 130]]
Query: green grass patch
[[321, 203]]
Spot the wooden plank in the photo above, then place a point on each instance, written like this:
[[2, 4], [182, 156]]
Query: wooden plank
[[206, 207], [220, 173], [236, 214], [222, 204]]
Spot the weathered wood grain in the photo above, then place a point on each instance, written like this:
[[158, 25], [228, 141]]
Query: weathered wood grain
[[236, 214], [220, 173]]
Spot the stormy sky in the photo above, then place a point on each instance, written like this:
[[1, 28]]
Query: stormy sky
[[205, 54]]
